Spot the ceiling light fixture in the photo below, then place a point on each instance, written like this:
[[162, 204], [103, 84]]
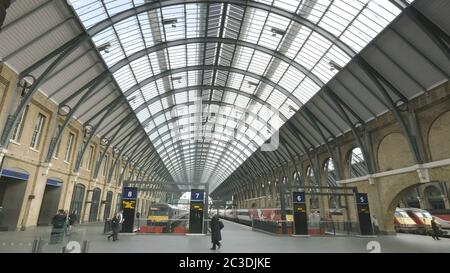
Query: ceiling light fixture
[[334, 66], [104, 47], [277, 31], [177, 79], [171, 22]]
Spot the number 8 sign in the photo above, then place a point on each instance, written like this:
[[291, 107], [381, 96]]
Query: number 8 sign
[[129, 193]]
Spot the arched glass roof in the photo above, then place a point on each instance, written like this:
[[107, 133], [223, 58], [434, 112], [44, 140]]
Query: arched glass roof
[[236, 62]]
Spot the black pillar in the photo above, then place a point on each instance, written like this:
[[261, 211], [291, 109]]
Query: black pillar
[[300, 217], [129, 196], [365, 223], [196, 211]]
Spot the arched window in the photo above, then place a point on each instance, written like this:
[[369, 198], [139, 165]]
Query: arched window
[[118, 202], [434, 197], [76, 205], [95, 205], [330, 171], [108, 205], [297, 180], [333, 202], [311, 177], [411, 198], [312, 181], [358, 165]]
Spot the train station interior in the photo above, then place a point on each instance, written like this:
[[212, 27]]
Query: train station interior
[[300, 125]]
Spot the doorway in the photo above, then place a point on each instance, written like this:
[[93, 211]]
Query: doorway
[[76, 205], [12, 192], [108, 202], [95, 205], [50, 202]]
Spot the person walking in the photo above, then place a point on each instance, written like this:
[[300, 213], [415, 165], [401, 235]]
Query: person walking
[[121, 219], [216, 226], [138, 217], [115, 225], [66, 223], [58, 223], [435, 229], [375, 224], [72, 220]]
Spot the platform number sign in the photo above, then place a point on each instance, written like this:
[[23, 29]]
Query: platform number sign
[[197, 195], [298, 197], [129, 193], [361, 198], [365, 222]]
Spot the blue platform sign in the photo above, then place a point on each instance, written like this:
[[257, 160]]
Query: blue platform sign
[[362, 199], [197, 195], [129, 193], [298, 197]]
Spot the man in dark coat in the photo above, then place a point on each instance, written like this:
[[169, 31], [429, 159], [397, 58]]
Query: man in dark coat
[[435, 230], [58, 222], [115, 225], [216, 225], [72, 218]]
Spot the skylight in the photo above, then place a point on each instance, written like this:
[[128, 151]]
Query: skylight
[[238, 57]]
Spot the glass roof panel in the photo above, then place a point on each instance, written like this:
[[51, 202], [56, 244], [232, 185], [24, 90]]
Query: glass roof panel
[[245, 74]]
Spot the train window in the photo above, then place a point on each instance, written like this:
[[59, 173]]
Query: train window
[[426, 215], [401, 214]]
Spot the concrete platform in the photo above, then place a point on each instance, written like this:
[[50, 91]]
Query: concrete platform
[[236, 239]]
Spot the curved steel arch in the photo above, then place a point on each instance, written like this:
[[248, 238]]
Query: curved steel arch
[[178, 159], [204, 40], [191, 162], [238, 121], [108, 22], [175, 3], [204, 151], [167, 73], [164, 111], [196, 87], [223, 173]]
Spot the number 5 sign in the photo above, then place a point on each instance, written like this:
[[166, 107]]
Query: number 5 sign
[[361, 199]]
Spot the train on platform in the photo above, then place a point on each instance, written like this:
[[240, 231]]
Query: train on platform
[[245, 216], [417, 221], [403, 222], [270, 219], [166, 218]]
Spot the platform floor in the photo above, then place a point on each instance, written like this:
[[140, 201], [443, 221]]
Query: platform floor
[[236, 239]]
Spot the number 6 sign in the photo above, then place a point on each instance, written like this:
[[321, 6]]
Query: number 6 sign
[[298, 197]]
